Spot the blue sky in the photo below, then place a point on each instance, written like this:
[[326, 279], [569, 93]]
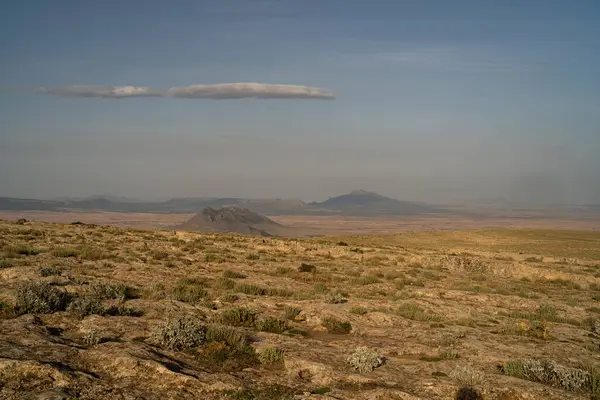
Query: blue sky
[[434, 100]]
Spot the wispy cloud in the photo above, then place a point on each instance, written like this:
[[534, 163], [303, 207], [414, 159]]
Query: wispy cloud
[[115, 92], [221, 91]]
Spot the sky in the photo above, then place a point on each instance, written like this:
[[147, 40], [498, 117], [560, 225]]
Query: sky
[[428, 100]]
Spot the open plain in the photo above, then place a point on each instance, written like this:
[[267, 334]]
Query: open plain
[[91, 312]]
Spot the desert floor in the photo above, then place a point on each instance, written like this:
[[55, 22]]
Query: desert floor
[[100, 312]]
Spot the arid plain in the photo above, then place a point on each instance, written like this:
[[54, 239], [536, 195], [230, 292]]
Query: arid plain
[[105, 312]]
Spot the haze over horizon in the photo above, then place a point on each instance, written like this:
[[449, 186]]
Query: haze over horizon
[[429, 100]]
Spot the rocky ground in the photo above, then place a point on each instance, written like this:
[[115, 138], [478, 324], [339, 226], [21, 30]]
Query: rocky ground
[[97, 312]]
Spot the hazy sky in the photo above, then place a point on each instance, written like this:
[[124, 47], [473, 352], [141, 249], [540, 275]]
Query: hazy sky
[[420, 100]]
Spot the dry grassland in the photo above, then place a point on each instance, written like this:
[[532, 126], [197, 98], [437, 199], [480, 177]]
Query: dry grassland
[[98, 312]]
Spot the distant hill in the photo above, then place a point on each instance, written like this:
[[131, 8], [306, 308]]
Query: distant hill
[[362, 202], [358, 203], [232, 219]]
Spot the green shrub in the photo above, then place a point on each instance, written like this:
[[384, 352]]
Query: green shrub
[[272, 325], [40, 298], [93, 254], [251, 289], [180, 332], [292, 312], [224, 284], [553, 374], [83, 306], [271, 355], [189, 293], [365, 360], [64, 252], [237, 317], [105, 291], [5, 264], [12, 251], [416, 313], [334, 325], [233, 274], [120, 310], [226, 334], [358, 310]]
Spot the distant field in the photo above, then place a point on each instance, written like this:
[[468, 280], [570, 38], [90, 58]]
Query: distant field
[[329, 225]]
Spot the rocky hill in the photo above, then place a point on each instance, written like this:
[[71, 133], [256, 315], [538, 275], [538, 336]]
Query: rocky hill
[[232, 219]]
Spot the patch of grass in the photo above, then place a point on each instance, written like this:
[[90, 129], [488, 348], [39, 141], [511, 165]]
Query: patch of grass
[[228, 273], [121, 310], [40, 298], [84, 306], [50, 271], [271, 355], [253, 256], [226, 334], [189, 293], [251, 289], [358, 310], [413, 311], [545, 312], [180, 332], [307, 268], [292, 312], [64, 252], [272, 325], [551, 373], [442, 356], [237, 317], [159, 254], [6, 264], [20, 250], [467, 376], [320, 288], [334, 325], [93, 254], [116, 291]]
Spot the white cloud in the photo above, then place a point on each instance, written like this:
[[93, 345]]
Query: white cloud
[[219, 91], [115, 92], [249, 90]]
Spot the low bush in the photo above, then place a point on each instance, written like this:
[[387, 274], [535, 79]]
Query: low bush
[[40, 298], [292, 312], [334, 325], [365, 360], [180, 332], [271, 355], [237, 317], [272, 325]]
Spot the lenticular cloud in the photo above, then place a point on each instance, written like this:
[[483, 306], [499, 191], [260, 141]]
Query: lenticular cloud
[[221, 91], [249, 90]]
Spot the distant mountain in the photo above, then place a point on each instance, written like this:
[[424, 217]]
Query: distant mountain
[[232, 219], [358, 202], [362, 202]]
